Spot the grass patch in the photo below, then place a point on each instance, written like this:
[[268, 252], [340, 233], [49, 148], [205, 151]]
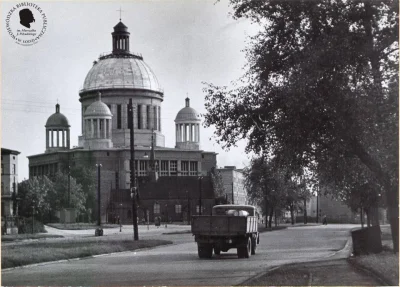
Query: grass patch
[[177, 232], [385, 264], [36, 252], [80, 226], [15, 237]]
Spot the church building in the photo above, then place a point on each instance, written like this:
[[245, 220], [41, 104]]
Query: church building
[[183, 181]]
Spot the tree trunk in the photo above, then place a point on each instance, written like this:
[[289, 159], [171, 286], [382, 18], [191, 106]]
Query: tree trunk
[[391, 190], [305, 211], [266, 216], [292, 213], [368, 213], [276, 222], [362, 217], [271, 213]]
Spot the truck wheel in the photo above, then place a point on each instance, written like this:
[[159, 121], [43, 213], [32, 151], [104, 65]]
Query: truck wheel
[[245, 251], [204, 250], [253, 246], [217, 251]]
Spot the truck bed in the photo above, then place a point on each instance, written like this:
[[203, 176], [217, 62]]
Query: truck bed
[[223, 225]]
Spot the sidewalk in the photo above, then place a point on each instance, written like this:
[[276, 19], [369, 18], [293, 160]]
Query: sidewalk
[[337, 272]]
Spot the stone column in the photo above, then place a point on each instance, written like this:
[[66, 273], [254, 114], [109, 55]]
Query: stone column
[[191, 132], [68, 139], [91, 128], [124, 116], [47, 138], [198, 132], [159, 119], [98, 129], [63, 138], [176, 132], [104, 128], [58, 137], [151, 117]]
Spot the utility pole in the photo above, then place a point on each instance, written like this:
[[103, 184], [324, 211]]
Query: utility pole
[[233, 201], [317, 203], [134, 188], [69, 186], [99, 230], [200, 207]]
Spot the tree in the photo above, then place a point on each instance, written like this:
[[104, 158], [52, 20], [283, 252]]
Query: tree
[[58, 197], [321, 83], [32, 193], [86, 177]]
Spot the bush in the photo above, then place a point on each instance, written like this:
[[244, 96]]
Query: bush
[[25, 226]]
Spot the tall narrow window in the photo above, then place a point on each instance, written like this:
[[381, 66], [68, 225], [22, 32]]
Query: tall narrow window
[[184, 167], [173, 166], [156, 208], [119, 115], [14, 169], [148, 118], [193, 168], [139, 116]]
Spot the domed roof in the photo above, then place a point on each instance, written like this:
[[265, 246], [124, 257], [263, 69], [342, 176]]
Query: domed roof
[[121, 72], [98, 109], [187, 113], [57, 119], [120, 27]]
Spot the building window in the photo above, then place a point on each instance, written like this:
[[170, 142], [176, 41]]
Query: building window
[[164, 168], [193, 168], [119, 115], [143, 167], [155, 117], [184, 167], [2, 187], [173, 167], [2, 168], [178, 208], [156, 208], [14, 157], [198, 209], [139, 116], [148, 117]]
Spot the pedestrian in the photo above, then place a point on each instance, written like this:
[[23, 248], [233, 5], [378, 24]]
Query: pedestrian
[[324, 221]]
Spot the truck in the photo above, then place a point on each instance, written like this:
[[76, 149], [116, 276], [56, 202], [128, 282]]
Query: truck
[[229, 226]]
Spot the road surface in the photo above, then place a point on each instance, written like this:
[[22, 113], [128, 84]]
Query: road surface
[[179, 264]]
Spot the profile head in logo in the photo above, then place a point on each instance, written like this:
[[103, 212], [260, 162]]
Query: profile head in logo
[[26, 17]]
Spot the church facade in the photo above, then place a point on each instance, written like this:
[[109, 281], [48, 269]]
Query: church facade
[[183, 182]]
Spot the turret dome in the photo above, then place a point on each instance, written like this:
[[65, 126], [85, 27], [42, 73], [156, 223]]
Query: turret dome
[[57, 119]]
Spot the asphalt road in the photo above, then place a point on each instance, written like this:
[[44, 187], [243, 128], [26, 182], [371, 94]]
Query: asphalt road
[[179, 264]]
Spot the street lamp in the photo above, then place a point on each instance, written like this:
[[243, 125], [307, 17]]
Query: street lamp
[[120, 218], [99, 230]]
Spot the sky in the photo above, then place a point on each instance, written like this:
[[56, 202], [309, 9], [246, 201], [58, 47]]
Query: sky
[[186, 43]]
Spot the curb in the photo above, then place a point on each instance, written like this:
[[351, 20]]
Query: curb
[[82, 258], [368, 271]]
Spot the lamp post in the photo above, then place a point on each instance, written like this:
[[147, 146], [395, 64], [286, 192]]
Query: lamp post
[[134, 188], [120, 218], [99, 230]]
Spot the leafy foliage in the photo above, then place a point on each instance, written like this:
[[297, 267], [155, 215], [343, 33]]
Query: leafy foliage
[[321, 88]]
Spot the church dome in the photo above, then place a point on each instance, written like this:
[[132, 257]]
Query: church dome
[[98, 109], [187, 113], [57, 119], [121, 73]]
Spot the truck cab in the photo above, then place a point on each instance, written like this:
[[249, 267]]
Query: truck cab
[[229, 226]]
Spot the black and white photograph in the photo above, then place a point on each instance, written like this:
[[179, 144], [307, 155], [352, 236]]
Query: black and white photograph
[[200, 143]]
